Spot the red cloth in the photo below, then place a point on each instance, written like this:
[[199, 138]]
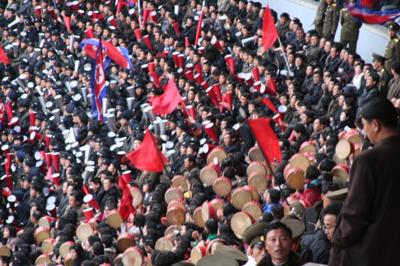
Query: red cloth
[[168, 101], [270, 35], [266, 139], [198, 29], [271, 87], [271, 106], [67, 22], [3, 57], [126, 208], [115, 54], [147, 157]]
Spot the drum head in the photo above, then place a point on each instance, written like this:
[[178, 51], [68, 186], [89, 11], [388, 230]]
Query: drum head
[[84, 231], [198, 218], [343, 149], [176, 216], [240, 197], [299, 161], [216, 153], [222, 186], [164, 244], [258, 181], [255, 154], [125, 242], [114, 220], [256, 167], [239, 223], [253, 209], [295, 178], [208, 175]]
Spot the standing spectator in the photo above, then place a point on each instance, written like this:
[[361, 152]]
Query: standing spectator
[[392, 50], [350, 30], [365, 227]]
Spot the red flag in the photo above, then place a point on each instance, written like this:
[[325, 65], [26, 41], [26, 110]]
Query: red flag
[[271, 87], [199, 26], [271, 106], [266, 139], [126, 207], [3, 57], [67, 22], [147, 157], [168, 101], [270, 35]]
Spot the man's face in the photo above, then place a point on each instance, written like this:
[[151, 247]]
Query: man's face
[[371, 130], [278, 244], [106, 184], [329, 225]]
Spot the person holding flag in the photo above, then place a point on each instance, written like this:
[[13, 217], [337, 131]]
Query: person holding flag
[[98, 84]]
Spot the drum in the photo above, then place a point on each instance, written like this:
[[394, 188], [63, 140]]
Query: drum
[[217, 153], [222, 186], [124, 241], [343, 149], [255, 154], [181, 182], [132, 257], [41, 234], [84, 231], [164, 244], [253, 208], [240, 197], [114, 219], [258, 181], [294, 177], [198, 217], [239, 223], [208, 175], [173, 194], [257, 167]]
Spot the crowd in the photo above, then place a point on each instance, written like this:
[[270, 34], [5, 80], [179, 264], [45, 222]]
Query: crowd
[[218, 201]]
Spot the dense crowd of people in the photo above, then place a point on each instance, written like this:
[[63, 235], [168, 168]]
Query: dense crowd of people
[[218, 201]]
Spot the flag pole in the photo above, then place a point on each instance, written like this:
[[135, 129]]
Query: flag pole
[[139, 15], [284, 56]]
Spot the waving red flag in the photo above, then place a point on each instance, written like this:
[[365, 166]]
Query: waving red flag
[[270, 35], [168, 101], [271, 106], [67, 23], [3, 57], [266, 139], [271, 87], [147, 157]]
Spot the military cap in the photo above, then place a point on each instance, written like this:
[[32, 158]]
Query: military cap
[[337, 195], [254, 232], [378, 57], [296, 225], [393, 26]]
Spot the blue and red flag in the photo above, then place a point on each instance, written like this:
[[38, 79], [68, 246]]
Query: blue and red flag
[[98, 85], [119, 55], [371, 12]]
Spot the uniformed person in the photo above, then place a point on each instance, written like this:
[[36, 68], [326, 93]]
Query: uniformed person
[[378, 64], [327, 19], [392, 51], [350, 29], [331, 20]]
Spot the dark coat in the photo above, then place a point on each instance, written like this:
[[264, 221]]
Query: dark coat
[[367, 232], [294, 260]]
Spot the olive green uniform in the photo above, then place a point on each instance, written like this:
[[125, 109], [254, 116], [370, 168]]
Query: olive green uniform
[[350, 29]]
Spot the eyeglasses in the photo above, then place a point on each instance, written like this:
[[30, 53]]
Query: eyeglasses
[[324, 227]]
